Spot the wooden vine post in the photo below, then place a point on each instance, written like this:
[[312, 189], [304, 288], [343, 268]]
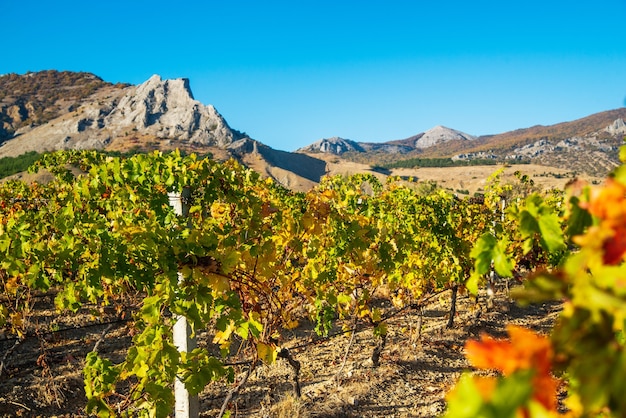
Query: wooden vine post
[[186, 405]]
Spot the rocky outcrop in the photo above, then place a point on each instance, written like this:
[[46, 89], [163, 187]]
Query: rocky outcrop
[[163, 109], [334, 145], [617, 128], [167, 109], [34, 99]]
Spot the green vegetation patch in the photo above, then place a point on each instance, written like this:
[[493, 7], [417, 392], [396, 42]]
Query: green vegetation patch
[[14, 165]]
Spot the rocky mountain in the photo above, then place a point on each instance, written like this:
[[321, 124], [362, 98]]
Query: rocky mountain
[[440, 135], [163, 112], [435, 136], [587, 145], [53, 110]]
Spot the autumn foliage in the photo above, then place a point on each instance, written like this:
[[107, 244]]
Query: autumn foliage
[[609, 206], [524, 351], [585, 352]]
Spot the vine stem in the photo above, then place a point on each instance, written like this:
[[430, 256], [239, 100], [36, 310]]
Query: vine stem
[[236, 389], [378, 350], [20, 405], [8, 352], [420, 322], [295, 365], [104, 333], [345, 356], [455, 290]]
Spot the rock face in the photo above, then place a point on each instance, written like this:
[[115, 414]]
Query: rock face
[[163, 109], [617, 128], [334, 145], [167, 109]]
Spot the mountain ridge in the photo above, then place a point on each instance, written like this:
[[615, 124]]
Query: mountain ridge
[[596, 138]]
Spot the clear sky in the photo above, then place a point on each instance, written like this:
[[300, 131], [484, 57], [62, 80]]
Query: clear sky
[[291, 72]]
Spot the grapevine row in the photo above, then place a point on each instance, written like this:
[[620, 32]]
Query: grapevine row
[[249, 260]]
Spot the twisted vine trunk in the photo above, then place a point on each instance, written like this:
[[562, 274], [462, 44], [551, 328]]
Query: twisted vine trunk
[[455, 290], [378, 350], [295, 365]]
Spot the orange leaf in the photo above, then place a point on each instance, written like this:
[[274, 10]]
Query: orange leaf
[[609, 205], [525, 350]]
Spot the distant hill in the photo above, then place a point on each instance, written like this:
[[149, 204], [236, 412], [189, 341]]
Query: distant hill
[[587, 145], [435, 136]]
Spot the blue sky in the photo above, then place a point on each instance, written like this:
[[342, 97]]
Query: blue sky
[[291, 72]]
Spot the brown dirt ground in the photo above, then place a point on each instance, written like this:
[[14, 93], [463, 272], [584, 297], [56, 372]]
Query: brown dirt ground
[[42, 374]]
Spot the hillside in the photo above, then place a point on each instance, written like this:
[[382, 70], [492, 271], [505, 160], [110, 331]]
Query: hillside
[[588, 145], [34, 99]]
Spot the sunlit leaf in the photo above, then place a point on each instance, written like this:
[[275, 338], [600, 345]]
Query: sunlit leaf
[[266, 352]]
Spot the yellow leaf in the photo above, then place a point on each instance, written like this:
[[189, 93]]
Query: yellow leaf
[[308, 221], [218, 283], [12, 285], [376, 315], [16, 320], [266, 352], [292, 324], [186, 271], [222, 337], [218, 210], [3, 315], [363, 311]]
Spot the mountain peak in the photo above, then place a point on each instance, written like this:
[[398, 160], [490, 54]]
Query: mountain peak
[[440, 134], [333, 145]]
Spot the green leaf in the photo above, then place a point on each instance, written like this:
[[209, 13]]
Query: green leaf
[[243, 330], [100, 377], [551, 233], [151, 309], [488, 250], [230, 260], [255, 327], [380, 330], [502, 263], [528, 224], [482, 253], [472, 283], [579, 218], [466, 400]]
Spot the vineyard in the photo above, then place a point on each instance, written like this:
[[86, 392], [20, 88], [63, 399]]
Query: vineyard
[[115, 251]]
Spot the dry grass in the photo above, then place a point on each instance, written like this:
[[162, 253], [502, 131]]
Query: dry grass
[[289, 407]]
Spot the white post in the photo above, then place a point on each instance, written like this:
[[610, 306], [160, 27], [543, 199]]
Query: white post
[[186, 406]]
